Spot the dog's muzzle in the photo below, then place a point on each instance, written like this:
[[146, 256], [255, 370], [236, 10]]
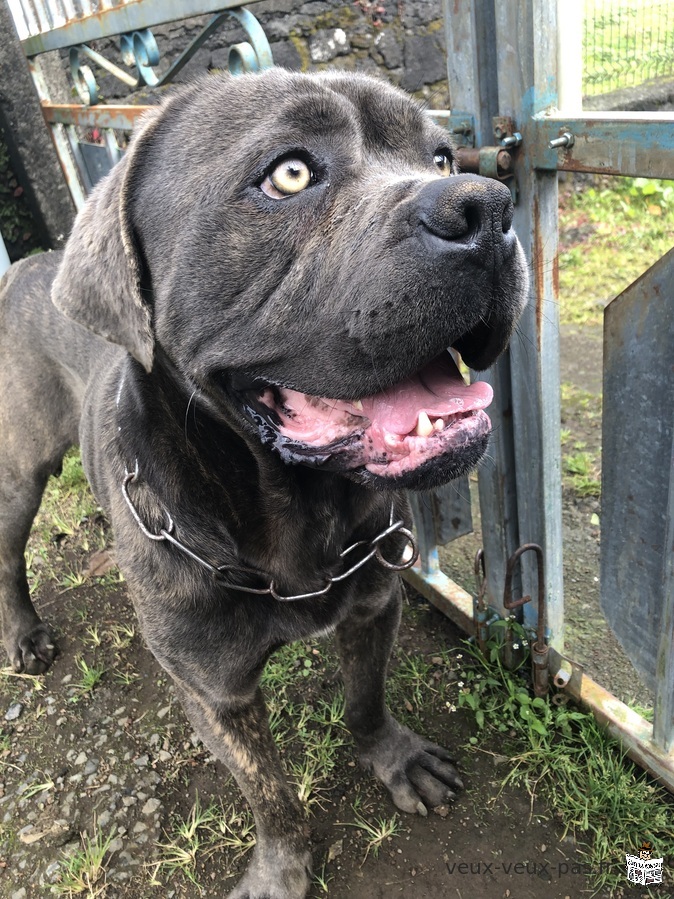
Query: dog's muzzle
[[389, 435]]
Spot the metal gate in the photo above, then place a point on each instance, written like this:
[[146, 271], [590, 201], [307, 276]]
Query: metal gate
[[511, 121], [504, 61]]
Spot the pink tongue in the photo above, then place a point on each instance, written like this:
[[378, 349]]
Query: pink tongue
[[443, 392]]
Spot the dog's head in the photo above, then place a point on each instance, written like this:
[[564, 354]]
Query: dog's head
[[304, 252]]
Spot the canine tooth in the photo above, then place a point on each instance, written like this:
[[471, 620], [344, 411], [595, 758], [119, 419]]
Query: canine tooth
[[358, 405], [439, 424], [424, 426]]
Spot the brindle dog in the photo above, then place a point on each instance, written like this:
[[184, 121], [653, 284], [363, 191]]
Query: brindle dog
[[248, 337]]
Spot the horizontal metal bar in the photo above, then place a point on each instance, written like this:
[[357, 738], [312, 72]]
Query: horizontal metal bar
[[634, 144], [123, 118], [452, 600], [633, 732], [133, 16]]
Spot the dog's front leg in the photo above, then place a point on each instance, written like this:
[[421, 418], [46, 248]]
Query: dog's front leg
[[239, 735], [418, 774]]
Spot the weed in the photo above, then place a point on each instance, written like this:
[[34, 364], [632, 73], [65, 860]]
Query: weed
[[94, 635], [34, 680], [582, 471], [37, 788], [121, 635], [598, 794], [233, 830], [322, 879], [73, 579], [307, 775], [126, 677], [91, 676], [84, 870], [377, 831], [179, 853]]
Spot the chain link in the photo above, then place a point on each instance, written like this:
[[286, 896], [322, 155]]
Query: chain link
[[166, 534]]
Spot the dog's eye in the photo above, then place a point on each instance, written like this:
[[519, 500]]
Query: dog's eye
[[289, 177], [443, 161]]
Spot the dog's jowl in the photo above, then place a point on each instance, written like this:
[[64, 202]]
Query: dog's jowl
[[249, 334]]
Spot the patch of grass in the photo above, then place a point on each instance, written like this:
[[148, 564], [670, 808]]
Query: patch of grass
[[321, 879], [179, 853], [233, 830], [121, 635], [35, 789], [626, 44], [204, 831], [581, 466], [604, 800], [581, 472], [83, 872], [610, 233], [376, 831], [307, 728], [68, 512], [91, 676], [126, 677]]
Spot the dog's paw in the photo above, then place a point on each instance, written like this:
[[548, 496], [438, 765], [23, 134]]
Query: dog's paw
[[418, 774], [275, 872], [32, 651]]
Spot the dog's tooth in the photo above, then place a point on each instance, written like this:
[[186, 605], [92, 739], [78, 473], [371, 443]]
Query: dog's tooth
[[424, 426], [358, 405], [439, 424]]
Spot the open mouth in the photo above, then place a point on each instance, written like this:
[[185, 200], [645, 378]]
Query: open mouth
[[429, 417]]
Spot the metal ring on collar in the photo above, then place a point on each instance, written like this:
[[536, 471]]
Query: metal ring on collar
[[130, 476]]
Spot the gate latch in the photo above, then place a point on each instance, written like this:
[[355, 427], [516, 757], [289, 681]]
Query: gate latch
[[539, 651]]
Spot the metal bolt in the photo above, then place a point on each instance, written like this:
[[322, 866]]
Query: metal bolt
[[514, 140], [504, 162], [564, 142]]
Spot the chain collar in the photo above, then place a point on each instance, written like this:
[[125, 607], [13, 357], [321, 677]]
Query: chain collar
[[373, 551]]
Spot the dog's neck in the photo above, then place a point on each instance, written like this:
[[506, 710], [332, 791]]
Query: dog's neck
[[232, 494]]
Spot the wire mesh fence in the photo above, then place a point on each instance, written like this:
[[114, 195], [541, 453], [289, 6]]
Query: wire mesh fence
[[626, 43]]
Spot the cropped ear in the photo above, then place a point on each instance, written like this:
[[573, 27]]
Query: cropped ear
[[98, 283]]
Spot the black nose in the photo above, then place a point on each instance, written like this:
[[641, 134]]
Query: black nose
[[465, 208]]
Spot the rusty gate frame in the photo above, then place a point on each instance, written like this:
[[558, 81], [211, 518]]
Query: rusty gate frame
[[503, 76]]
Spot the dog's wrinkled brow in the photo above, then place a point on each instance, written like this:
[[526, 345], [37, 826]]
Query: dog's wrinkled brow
[[319, 113]]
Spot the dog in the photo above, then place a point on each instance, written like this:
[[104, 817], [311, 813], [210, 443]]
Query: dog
[[248, 335]]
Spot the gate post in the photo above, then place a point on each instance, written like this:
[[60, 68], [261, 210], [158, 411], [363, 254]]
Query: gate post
[[526, 42], [472, 75], [502, 60]]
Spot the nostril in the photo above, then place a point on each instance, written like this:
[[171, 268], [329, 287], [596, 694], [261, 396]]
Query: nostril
[[473, 217], [507, 220], [460, 222]]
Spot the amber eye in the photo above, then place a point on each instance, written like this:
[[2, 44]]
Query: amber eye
[[443, 162], [289, 177]]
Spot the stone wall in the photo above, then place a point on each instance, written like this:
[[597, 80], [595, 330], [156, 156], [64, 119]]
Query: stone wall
[[402, 39]]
